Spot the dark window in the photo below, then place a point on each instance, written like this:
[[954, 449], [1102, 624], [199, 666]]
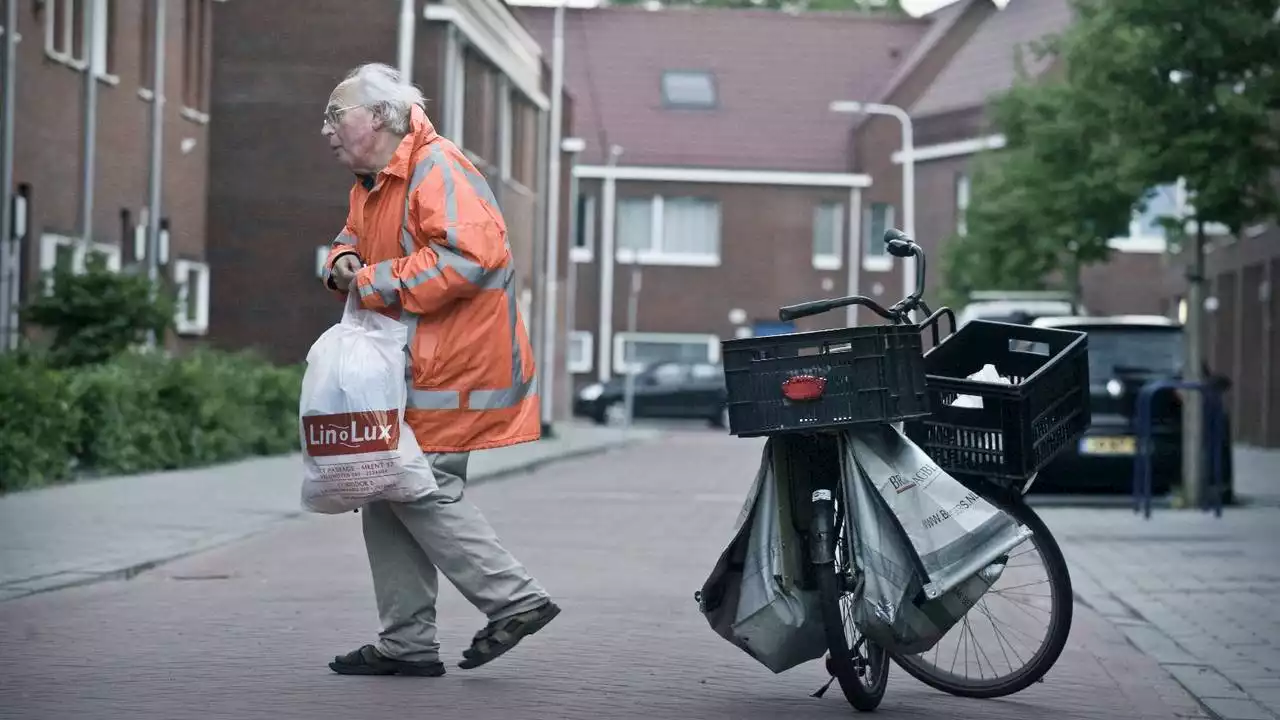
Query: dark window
[[688, 89], [196, 54]]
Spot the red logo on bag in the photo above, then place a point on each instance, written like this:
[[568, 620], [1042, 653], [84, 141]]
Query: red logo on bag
[[352, 433]]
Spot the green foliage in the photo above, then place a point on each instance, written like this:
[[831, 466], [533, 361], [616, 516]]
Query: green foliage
[[39, 425], [793, 5], [141, 412], [1190, 90], [98, 314], [148, 412], [1150, 91]]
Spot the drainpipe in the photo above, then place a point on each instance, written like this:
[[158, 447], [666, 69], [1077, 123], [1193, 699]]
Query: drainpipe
[[404, 50], [156, 175], [608, 206], [553, 219], [9, 262], [90, 149]]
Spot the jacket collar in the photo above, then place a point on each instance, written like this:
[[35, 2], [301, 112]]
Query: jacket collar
[[421, 132]]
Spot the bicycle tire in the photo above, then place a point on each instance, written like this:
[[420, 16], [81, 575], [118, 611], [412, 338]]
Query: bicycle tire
[[1059, 624], [862, 696]]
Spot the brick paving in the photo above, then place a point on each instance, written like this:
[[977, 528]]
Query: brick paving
[[1199, 594], [96, 529], [622, 539]]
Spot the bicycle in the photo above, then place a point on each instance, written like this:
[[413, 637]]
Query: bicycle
[[861, 666]]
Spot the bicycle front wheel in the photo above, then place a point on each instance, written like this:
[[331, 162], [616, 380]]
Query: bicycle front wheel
[[1002, 669], [860, 666]]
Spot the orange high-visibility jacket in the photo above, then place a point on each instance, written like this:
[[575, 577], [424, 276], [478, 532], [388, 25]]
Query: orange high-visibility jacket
[[436, 255]]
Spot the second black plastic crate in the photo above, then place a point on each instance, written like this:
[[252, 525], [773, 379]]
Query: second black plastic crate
[[868, 374], [1016, 428]]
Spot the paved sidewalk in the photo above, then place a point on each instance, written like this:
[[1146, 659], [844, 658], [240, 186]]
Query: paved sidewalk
[[1199, 594], [96, 529], [621, 539]]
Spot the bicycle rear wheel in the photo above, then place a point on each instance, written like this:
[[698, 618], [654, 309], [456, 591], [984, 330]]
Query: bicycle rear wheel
[[860, 666], [928, 667]]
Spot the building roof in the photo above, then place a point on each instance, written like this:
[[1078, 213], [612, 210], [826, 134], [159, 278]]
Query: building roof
[[775, 76], [986, 64]]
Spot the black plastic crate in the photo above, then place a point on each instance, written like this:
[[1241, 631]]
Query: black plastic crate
[[1020, 426], [872, 374]]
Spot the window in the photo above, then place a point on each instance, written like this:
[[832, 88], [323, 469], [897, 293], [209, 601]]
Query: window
[[480, 111], [877, 219], [669, 231], [962, 203], [196, 49], [65, 39], [63, 252], [643, 349], [524, 140], [584, 241], [191, 280], [580, 348], [146, 47], [828, 234], [685, 89]]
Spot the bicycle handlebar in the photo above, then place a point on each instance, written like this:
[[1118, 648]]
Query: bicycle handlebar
[[898, 245]]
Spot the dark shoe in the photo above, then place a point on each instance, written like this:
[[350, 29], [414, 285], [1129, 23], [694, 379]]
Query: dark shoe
[[368, 661], [498, 637]]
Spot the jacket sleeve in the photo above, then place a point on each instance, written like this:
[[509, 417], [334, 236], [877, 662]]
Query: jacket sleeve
[[459, 247], [344, 244]]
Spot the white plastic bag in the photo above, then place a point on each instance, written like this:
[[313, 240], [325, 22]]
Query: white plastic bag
[[356, 446], [954, 531]]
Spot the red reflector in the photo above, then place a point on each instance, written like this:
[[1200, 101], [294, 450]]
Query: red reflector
[[803, 387]]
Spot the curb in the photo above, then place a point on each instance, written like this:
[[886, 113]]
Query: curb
[[41, 584]]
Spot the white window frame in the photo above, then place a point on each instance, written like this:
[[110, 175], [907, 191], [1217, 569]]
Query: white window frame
[[77, 58], [881, 261], [50, 242], [656, 255], [582, 364], [587, 226], [183, 325], [620, 340], [963, 195], [829, 261]]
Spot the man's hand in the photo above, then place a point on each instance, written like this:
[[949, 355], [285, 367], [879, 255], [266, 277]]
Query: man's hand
[[344, 271]]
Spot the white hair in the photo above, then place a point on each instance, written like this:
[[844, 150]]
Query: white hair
[[380, 87]]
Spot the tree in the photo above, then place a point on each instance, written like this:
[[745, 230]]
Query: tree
[[98, 314], [1046, 204], [794, 5], [1191, 93]]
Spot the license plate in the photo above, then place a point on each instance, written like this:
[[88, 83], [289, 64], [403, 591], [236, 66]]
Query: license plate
[[1108, 445]]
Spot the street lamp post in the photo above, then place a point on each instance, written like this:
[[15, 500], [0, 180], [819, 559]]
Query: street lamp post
[[571, 147], [553, 220], [853, 107]]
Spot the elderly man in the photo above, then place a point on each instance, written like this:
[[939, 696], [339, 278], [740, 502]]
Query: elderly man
[[424, 241]]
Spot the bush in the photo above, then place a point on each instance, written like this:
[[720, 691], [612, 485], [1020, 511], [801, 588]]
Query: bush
[[141, 412], [39, 425], [145, 412], [90, 403]]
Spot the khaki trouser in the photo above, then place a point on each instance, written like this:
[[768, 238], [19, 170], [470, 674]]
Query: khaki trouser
[[408, 542]]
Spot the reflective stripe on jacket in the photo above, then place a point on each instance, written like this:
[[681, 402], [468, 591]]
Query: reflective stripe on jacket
[[436, 256]]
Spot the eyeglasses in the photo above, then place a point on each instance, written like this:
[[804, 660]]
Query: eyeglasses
[[333, 115]]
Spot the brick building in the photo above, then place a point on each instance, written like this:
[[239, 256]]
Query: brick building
[[732, 194], [277, 198], [49, 128]]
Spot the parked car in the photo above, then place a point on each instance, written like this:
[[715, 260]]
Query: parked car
[[1125, 353], [1017, 307], [673, 390]]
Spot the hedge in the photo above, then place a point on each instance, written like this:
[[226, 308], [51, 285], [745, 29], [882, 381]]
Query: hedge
[[141, 412]]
